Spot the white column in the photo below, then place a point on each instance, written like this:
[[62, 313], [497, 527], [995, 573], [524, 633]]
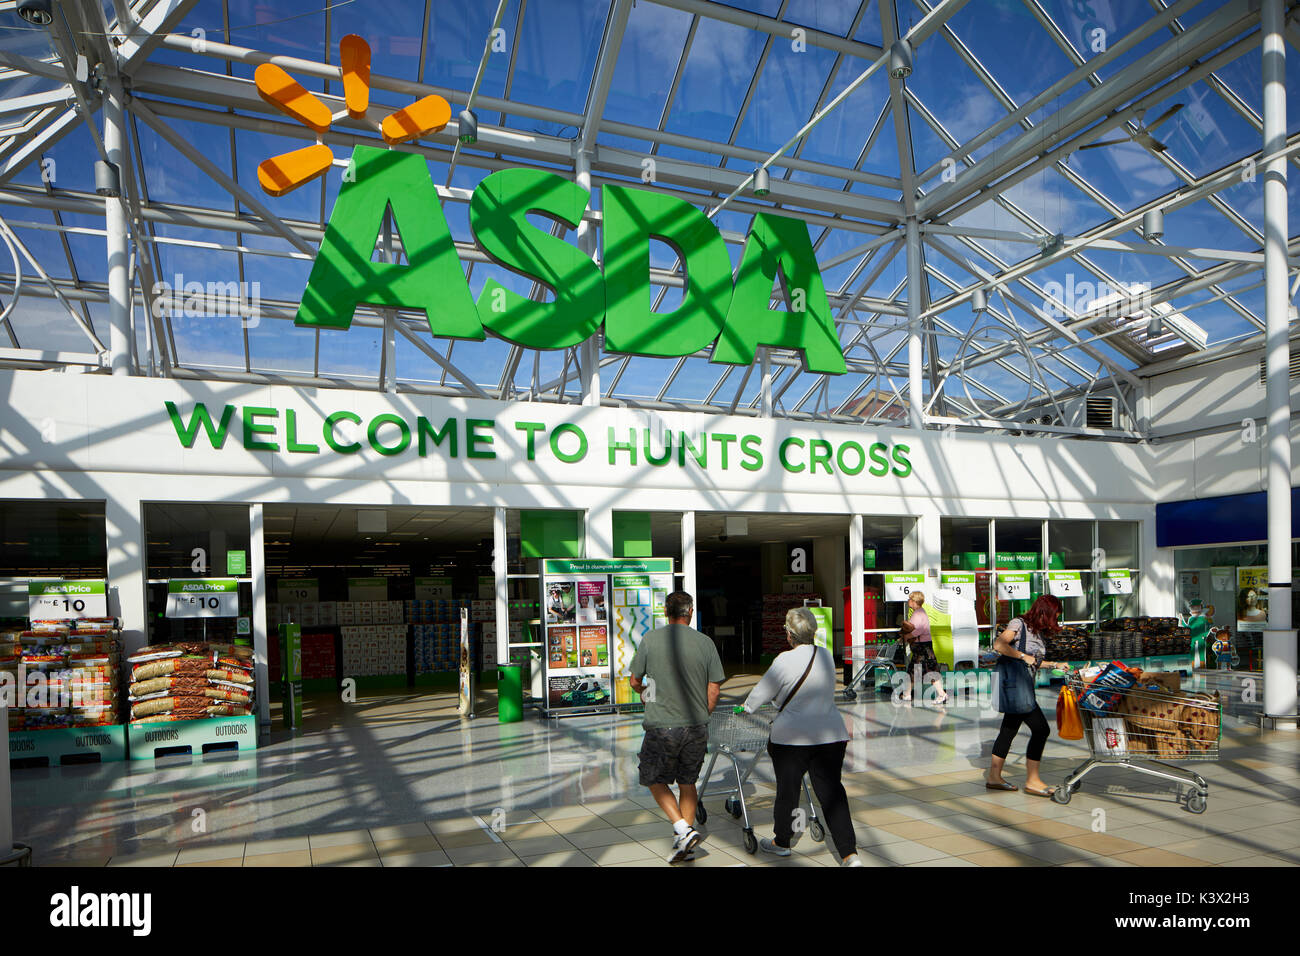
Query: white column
[[765, 390], [1280, 697], [589, 355], [500, 568], [857, 596], [119, 288], [688, 558], [257, 568], [915, 398], [126, 570], [598, 532]]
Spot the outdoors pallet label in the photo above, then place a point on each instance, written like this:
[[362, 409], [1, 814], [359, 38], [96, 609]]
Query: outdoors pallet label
[[146, 739], [61, 743]]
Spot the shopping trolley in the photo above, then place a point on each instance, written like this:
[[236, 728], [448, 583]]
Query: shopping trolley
[[878, 655], [1139, 728], [733, 734]]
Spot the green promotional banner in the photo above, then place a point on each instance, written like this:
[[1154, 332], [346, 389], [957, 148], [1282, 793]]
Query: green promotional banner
[[825, 627], [291, 673], [236, 562], [607, 565], [66, 600]]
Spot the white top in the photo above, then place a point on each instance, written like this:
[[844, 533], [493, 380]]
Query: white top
[[811, 718]]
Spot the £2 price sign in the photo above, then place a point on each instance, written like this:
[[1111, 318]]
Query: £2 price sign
[[203, 597], [1065, 584], [66, 600], [1012, 586], [899, 587]]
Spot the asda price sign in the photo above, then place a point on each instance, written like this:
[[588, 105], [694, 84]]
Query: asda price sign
[[1116, 582], [1065, 584], [66, 600], [1013, 587], [899, 587], [203, 597], [959, 583]]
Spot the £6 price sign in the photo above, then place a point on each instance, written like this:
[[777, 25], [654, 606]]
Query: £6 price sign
[[203, 597], [899, 587], [66, 600]]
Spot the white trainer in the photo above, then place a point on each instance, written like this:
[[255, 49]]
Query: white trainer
[[767, 846], [684, 846]]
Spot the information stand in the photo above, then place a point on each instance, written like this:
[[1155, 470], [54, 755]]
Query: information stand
[[595, 612]]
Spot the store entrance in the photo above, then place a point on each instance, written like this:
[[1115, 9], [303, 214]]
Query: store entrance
[[752, 568], [378, 593]]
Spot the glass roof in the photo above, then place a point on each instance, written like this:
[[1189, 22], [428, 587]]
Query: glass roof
[[1027, 141]]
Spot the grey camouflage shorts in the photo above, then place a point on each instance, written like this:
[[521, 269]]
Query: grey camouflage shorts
[[673, 754]]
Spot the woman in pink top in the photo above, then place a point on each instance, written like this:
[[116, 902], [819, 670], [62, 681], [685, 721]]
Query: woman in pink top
[[922, 646]]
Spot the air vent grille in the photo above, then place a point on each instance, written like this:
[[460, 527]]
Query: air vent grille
[[1294, 370], [1100, 413]]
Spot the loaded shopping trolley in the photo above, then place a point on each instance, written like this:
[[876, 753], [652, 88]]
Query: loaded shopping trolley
[[1130, 721], [733, 734], [878, 654]]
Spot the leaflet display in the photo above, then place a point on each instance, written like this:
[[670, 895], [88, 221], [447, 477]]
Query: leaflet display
[[594, 614]]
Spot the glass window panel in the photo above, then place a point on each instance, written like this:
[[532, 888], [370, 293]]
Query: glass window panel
[[557, 54], [52, 539], [209, 340], [647, 60], [458, 33], [171, 178], [175, 531], [353, 353], [716, 77], [277, 345], [785, 96]]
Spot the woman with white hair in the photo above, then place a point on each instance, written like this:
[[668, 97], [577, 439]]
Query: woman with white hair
[[808, 737]]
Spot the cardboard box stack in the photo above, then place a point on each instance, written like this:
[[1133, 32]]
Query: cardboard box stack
[[371, 650], [63, 674]]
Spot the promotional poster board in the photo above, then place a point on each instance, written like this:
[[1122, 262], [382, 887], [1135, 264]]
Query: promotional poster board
[[1252, 599], [595, 612]]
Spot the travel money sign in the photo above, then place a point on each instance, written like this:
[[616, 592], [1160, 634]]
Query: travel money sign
[[734, 317]]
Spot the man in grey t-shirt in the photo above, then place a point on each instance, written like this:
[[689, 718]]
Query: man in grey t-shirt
[[677, 672]]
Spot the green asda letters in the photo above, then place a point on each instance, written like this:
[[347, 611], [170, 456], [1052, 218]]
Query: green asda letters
[[431, 279]]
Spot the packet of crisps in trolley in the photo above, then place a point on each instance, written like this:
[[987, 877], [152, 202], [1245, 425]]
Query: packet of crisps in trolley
[[1103, 694]]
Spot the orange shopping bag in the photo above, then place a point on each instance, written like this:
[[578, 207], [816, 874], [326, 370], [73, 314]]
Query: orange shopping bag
[[1068, 723]]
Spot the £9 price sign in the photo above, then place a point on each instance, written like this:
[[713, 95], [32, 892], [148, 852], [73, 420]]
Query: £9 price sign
[[66, 600], [203, 597]]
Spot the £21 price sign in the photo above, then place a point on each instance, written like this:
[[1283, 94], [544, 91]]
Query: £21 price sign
[[203, 597], [66, 600]]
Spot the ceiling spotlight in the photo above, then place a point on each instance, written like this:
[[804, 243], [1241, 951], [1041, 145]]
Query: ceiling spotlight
[[1153, 224], [38, 12], [1155, 327], [108, 182], [900, 59], [468, 127], [762, 182], [979, 301]]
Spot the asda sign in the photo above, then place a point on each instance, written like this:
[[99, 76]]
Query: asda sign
[[731, 316], [346, 433]]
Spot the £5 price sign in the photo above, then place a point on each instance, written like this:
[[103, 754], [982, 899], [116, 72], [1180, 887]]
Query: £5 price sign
[[203, 597]]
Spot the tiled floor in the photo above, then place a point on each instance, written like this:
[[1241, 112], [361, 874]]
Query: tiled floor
[[399, 780]]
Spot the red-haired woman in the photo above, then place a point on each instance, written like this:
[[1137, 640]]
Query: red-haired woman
[[1020, 648]]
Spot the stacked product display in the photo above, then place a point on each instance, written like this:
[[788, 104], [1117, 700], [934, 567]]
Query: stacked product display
[[190, 680], [1140, 636], [1070, 643], [437, 646], [374, 650], [65, 674]]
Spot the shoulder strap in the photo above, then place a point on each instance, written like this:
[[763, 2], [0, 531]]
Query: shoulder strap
[[806, 671], [1024, 633]]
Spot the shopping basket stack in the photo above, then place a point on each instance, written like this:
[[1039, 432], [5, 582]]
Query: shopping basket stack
[[1139, 720]]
